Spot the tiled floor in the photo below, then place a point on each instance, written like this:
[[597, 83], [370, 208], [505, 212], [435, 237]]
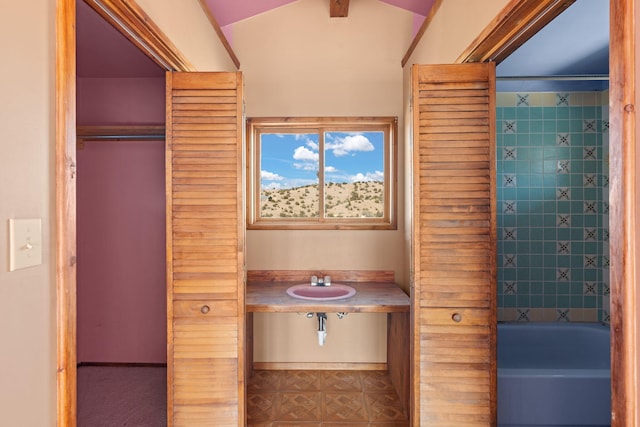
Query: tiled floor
[[323, 398]]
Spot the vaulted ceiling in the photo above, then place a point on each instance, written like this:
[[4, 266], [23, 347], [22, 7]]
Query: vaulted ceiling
[[576, 42]]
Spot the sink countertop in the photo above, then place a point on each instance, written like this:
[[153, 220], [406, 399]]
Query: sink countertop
[[371, 297]]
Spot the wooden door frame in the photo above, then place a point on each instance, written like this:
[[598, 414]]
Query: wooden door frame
[[512, 27], [132, 22], [624, 315]]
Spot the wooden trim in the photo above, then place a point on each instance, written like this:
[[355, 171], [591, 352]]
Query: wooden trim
[[416, 273], [256, 126], [221, 36], [338, 8], [373, 276], [623, 192], [128, 18], [168, 158], [514, 25], [65, 218], [421, 31], [319, 366]]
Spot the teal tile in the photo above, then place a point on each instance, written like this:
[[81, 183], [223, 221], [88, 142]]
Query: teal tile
[[549, 234], [509, 301], [549, 278], [550, 261], [577, 248], [537, 126], [523, 276], [523, 206], [591, 220], [523, 140], [563, 261], [577, 288], [576, 128], [549, 301], [563, 113], [500, 300], [563, 207], [563, 301], [549, 113], [522, 113], [522, 248], [563, 288], [523, 195], [536, 205], [536, 301], [589, 112], [549, 220], [550, 166], [523, 220], [549, 126], [509, 274], [522, 166], [563, 234], [509, 113], [575, 113], [535, 113], [576, 301], [590, 301], [536, 260], [536, 288], [549, 247], [537, 274], [523, 126], [522, 300]]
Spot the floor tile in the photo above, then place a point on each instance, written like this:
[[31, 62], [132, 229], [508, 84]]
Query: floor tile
[[384, 407], [323, 399], [344, 406], [300, 381], [376, 381], [341, 381], [261, 406], [299, 406]]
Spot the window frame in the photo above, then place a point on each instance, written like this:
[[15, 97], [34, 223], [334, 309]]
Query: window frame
[[259, 125]]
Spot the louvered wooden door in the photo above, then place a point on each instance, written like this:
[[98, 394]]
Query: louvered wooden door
[[454, 379], [205, 233]]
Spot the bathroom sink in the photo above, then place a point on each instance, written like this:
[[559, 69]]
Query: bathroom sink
[[321, 293]]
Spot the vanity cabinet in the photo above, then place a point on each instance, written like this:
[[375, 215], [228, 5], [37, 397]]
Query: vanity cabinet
[[454, 239], [205, 250]]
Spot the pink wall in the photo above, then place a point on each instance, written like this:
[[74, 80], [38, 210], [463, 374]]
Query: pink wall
[[121, 227]]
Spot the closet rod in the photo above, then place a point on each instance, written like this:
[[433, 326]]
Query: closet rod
[[576, 77], [117, 133]]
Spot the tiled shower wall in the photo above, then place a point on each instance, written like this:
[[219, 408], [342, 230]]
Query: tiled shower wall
[[552, 211]]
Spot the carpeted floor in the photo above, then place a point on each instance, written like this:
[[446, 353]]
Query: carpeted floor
[[110, 396]]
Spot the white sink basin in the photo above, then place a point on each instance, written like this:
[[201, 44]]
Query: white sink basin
[[321, 293]]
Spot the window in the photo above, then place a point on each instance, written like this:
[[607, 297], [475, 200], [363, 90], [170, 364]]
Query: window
[[322, 173]]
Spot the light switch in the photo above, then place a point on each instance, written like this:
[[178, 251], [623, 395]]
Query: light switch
[[25, 243]]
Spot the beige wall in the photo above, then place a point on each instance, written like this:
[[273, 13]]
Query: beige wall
[[297, 61], [27, 310], [186, 25]]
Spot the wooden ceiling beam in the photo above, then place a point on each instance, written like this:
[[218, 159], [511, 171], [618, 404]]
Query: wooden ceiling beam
[[221, 36], [338, 8]]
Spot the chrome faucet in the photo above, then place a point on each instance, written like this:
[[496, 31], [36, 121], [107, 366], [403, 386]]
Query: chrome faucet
[[314, 280]]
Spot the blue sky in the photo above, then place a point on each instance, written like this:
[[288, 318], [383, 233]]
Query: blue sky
[[291, 160]]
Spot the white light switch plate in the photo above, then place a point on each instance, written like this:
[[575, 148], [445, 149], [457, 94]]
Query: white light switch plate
[[25, 243]]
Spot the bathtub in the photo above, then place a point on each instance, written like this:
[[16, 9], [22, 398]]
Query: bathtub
[[553, 374]]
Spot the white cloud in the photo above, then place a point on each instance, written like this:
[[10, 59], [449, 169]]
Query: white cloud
[[369, 176], [330, 169], [270, 176], [307, 166], [349, 144], [272, 186], [313, 145], [303, 153]]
